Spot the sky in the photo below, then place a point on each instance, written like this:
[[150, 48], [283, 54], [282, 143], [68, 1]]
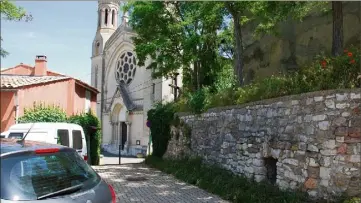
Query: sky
[[61, 30]]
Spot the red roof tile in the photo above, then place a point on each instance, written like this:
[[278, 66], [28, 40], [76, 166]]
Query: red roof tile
[[15, 81]]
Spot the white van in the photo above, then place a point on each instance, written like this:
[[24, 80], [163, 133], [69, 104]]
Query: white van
[[67, 134]]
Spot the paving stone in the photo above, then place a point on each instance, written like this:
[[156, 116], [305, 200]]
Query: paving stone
[[158, 187]]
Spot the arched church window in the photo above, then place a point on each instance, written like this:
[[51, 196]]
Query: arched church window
[[106, 17], [96, 77], [125, 68], [97, 46], [99, 14], [113, 16]]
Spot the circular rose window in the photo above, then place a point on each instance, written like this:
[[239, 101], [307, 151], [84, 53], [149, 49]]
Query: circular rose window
[[125, 68]]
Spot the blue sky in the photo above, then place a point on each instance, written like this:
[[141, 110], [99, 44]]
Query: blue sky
[[61, 30]]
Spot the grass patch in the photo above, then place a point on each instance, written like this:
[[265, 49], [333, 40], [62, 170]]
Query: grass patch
[[224, 183]]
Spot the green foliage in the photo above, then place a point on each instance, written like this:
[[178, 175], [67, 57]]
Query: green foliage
[[92, 129], [219, 181], [9, 11], [42, 113], [178, 34], [161, 118], [323, 74], [197, 101], [353, 200]]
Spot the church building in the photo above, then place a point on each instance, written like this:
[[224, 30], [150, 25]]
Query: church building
[[127, 91]]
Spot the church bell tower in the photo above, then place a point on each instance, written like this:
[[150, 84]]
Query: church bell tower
[[107, 24]]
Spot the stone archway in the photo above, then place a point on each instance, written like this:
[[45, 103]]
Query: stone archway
[[114, 120], [120, 127]]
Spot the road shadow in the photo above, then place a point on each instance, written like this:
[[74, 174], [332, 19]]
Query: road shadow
[[139, 183]]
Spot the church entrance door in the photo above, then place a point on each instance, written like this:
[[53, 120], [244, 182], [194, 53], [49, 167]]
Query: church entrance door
[[124, 134]]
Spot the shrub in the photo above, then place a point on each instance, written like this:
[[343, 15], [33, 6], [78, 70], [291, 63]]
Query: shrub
[[161, 117], [42, 113], [323, 74], [91, 126], [197, 102], [221, 182]]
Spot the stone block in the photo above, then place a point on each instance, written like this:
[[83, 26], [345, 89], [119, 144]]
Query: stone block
[[342, 149], [313, 172], [309, 101], [318, 99], [293, 162], [324, 182], [308, 118], [340, 139], [342, 105], [258, 162], [341, 97], [355, 96], [356, 158], [324, 125], [330, 144], [325, 173], [341, 131], [312, 162], [325, 161], [340, 121], [330, 104], [352, 140], [319, 117], [311, 183], [275, 153], [354, 132], [312, 148]]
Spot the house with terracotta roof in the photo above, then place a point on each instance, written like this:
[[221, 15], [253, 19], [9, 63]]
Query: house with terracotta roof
[[24, 85]]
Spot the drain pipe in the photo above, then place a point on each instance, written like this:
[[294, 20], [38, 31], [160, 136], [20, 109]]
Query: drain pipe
[[16, 107]]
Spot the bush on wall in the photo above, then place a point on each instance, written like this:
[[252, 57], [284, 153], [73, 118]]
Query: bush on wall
[[160, 117], [324, 73], [42, 113]]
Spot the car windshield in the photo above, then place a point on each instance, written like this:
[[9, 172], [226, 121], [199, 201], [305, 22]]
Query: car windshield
[[31, 176]]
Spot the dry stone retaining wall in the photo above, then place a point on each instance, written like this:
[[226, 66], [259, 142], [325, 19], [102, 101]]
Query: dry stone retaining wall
[[310, 141]]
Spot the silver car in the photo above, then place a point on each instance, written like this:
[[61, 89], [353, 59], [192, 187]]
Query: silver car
[[34, 172]]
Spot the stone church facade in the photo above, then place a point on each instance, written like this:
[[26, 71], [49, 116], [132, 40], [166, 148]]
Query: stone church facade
[[127, 90]]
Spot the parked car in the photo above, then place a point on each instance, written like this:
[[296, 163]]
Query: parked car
[[67, 134], [4, 134], [34, 171]]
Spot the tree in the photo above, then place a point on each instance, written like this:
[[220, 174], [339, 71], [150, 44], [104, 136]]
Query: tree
[[266, 15], [11, 12], [337, 28], [178, 35]]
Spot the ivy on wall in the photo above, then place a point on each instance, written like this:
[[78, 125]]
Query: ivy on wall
[[161, 118]]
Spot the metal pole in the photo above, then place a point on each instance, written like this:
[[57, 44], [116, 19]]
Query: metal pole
[[120, 154]]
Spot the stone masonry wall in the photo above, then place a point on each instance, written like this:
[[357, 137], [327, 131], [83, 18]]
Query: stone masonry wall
[[313, 141]]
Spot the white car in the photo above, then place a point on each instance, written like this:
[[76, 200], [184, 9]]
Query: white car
[[66, 134]]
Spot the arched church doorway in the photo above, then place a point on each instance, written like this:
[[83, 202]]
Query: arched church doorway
[[119, 127]]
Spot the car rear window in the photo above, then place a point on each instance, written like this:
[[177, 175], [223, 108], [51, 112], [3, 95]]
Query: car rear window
[[77, 139], [30, 176], [63, 137], [16, 135]]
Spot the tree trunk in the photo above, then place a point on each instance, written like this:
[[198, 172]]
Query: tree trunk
[[337, 34], [238, 50]]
